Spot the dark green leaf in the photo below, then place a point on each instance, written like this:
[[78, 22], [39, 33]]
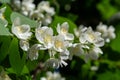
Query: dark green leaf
[[14, 56], [4, 42]]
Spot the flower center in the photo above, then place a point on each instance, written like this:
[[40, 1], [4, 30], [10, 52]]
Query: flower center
[[58, 44]]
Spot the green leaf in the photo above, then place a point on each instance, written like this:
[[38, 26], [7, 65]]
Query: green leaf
[[25, 70], [14, 56], [108, 75], [4, 31], [6, 15], [24, 19], [58, 19], [5, 43]]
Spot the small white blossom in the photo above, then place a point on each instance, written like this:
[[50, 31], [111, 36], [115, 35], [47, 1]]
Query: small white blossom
[[60, 44], [45, 36], [4, 76], [92, 53], [36, 14], [2, 19], [27, 6], [52, 76], [55, 63], [79, 30], [94, 68], [89, 36], [76, 50], [63, 30], [43, 13], [33, 52], [24, 44], [47, 19], [16, 4], [21, 31], [107, 32], [45, 6]]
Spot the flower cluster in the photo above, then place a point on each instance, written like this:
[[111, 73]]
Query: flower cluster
[[62, 45], [108, 33], [89, 43], [57, 45], [42, 13], [52, 76]]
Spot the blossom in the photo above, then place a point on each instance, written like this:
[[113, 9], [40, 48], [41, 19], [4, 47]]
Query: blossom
[[27, 7], [107, 32], [43, 13], [76, 50], [55, 62], [24, 44], [79, 30], [89, 36], [2, 19], [94, 68], [45, 6], [4, 76], [33, 52], [45, 36], [52, 76], [16, 4], [60, 44], [92, 53], [21, 31], [63, 30]]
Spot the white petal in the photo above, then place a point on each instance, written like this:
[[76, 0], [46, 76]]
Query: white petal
[[52, 63], [69, 36], [33, 52], [24, 45]]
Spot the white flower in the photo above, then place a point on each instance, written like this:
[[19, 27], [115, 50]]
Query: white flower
[[16, 4], [60, 44], [46, 20], [33, 52], [36, 14], [45, 36], [94, 68], [2, 19], [21, 31], [52, 76], [107, 32], [27, 6], [3, 75], [79, 30], [55, 63], [45, 6], [43, 13], [63, 30], [76, 50], [24, 45], [92, 53], [89, 36]]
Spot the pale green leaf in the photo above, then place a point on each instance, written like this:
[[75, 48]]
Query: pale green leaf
[[23, 19]]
